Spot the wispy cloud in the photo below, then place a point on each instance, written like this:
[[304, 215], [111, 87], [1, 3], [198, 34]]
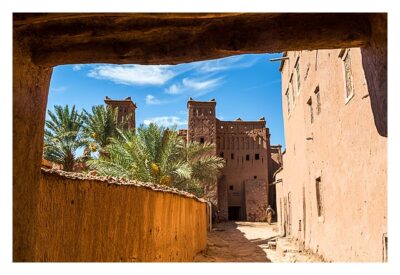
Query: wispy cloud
[[182, 112], [77, 67], [201, 85], [158, 75], [152, 100], [174, 89], [228, 63], [194, 85], [59, 89], [134, 74], [266, 84], [166, 121]]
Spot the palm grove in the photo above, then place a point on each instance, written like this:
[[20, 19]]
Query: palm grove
[[149, 154]]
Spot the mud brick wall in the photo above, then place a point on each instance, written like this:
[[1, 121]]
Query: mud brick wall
[[81, 218], [256, 194]]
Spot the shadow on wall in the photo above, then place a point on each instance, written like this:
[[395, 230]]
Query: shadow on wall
[[374, 60]]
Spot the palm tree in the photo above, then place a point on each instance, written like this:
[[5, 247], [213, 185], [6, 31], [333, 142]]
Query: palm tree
[[63, 136], [203, 162], [204, 166], [99, 127], [159, 155], [151, 155]]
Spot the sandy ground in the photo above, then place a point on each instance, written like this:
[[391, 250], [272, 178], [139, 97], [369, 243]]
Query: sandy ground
[[248, 242]]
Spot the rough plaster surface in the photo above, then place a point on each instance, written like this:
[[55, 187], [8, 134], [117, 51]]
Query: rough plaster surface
[[344, 148], [30, 90], [256, 197], [101, 219], [176, 38]]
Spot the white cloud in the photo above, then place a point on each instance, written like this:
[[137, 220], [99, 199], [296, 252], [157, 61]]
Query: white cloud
[[152, 100], [201, 85], [183, 112], [77, 67], [194, 85], [134, 74], [59, 89], [228, 63], [174, 89], [166, 121]]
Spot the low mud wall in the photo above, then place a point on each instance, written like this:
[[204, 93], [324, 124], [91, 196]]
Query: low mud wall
[[83, 218]]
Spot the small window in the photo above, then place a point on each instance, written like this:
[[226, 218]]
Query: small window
[[232, 156], [288, 100], [310, 108], [292, 89], [247, 157], [318, 189], [385, 248], [317, 95], [201, 140], [349, 86], [230, 187], [221, 154], [257, 156], [255, 177], [297, 67]]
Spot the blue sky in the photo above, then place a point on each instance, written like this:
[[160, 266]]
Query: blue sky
[[245, 86]]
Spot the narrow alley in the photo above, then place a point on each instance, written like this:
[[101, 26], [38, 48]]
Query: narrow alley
[[251, 242]]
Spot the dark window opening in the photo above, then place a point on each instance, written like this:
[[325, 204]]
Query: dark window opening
[[257, 156], [298, 76], [201, 140], [310, 108], [230, 187], [255, 177], [385, 248], [293, 93], [318, 100], [232, 156], [348, 74], [288, 100], [234, 213], [221, 154], [247, 157], [319, 196]]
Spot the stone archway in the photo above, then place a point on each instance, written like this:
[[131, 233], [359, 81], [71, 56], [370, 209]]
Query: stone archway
[[42, 41]]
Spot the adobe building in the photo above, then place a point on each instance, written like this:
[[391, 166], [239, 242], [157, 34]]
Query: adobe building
[[241, 191], [126, 111], [275, 163], [332, 190]]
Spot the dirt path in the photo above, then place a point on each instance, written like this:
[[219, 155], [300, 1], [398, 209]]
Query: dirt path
[[227, 243], [248, 242]]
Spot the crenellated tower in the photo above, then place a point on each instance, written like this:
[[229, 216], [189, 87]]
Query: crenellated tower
[[202, 121], [202, 129], [126, 111]]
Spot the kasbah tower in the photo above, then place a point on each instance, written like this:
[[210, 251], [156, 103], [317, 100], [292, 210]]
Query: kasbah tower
[[242, 191], [244, 188]]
